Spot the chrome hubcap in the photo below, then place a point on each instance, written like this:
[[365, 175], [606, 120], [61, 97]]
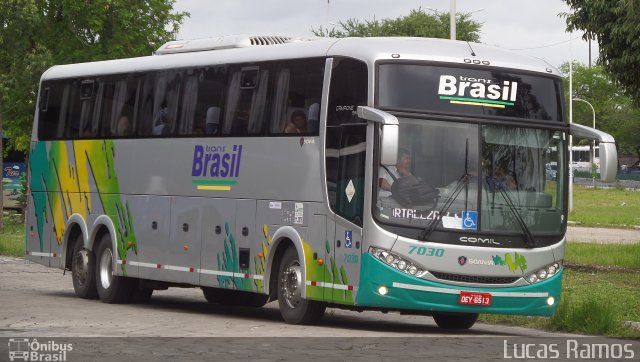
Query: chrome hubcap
[[106, 268], [292, 284], [81, 266]]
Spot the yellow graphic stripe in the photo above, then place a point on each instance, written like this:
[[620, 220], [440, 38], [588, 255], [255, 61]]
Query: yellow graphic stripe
[[478, 104], [213, 188]]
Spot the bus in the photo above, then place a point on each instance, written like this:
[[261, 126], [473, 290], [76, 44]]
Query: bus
[[14, 172], [583, 158], [255, 168]]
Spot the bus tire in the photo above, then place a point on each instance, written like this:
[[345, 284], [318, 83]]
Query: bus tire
[[111, 288], [455, 320], [234, 297], [83, 270], [293, 307]]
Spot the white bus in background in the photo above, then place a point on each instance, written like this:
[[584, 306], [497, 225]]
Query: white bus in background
[[583, 158]]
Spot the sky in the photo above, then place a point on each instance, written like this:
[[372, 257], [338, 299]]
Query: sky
[[531, 27]]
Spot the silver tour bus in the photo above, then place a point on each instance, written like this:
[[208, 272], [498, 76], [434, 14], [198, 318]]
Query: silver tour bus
[[393, 174]]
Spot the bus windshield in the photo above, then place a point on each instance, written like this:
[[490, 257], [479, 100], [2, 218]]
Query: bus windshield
[[481, 178]]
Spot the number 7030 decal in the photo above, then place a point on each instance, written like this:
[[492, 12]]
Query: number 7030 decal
[[421, 250]]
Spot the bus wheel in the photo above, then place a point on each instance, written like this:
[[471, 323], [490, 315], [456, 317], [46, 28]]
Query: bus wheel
[[111, 288], [83, 269], [455, 320], [293, 307]]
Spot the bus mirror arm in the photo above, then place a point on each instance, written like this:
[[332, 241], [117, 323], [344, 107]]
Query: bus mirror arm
[[389, 134], [608, 152]]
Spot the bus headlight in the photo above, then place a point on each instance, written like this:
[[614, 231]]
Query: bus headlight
[[396, 262], [544, 273]]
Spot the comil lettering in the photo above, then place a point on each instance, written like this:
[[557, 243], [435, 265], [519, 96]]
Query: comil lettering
[[477, 89]]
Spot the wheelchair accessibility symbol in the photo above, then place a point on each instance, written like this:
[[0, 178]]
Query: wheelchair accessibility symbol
[[470, 220]]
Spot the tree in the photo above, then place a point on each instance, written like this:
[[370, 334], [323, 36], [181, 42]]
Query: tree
[[418, 23], [616, 113], [36, 34], [614, 23]]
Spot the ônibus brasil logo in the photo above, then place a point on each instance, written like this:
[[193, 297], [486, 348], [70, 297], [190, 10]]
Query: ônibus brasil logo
[[216, 166], [477, 91]]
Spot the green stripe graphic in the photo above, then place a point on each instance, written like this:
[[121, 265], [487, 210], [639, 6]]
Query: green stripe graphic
[[214, 182], [477, 100]]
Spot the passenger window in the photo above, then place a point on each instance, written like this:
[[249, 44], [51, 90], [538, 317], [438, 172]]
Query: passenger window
[[54, 98], [88, 112], [73, 109], [165, 102], [247, 101], [208, 96], [296, 100], [189, 101], [120, 98], [348, 90]]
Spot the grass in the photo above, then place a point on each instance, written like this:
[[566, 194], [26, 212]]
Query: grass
[[594, 303], [591, 303], [12, 240], [624, 255], [614, 208]]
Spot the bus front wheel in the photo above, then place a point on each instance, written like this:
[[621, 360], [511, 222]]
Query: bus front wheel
[[293, 307], [455, 320], [111, 288], [83, 268]]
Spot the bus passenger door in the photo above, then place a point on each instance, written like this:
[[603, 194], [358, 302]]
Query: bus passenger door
[[347, 201], [218, 229]]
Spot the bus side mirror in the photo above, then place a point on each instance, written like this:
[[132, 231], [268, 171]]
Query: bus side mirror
[[608, 153], [389, 145]]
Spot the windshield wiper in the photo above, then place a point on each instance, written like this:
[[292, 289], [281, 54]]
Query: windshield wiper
[[463, 181], [529, 242]]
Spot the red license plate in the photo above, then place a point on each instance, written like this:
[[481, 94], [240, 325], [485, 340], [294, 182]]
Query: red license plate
[[470, 298]]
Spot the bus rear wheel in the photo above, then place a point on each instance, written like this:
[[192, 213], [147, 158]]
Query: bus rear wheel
[[111, 288], [455, 320], [83, 269], [293, 307]]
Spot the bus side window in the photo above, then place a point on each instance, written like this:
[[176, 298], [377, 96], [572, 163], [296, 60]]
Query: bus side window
[[88, 107], [209, 98], [189, 100], [73, 114], [247, 100], [166, 100], [52, 98], [122, 99], [298, 90], [348, 91]]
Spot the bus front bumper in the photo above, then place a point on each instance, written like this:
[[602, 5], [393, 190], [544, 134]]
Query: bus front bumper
[[405, 292]]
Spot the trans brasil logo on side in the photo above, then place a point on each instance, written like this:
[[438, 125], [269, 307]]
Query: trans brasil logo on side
[[215, 167]]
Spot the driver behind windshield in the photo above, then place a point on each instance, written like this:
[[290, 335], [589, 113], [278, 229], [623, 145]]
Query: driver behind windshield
[[389, 174]]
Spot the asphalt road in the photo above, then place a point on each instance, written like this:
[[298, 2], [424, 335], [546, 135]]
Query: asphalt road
[[39, 302], [603, 235]]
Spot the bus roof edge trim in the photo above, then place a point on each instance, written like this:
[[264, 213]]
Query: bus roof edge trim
[[225, 42]]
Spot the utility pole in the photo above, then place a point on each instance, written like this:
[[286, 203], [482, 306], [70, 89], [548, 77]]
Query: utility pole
[[452, 19]]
